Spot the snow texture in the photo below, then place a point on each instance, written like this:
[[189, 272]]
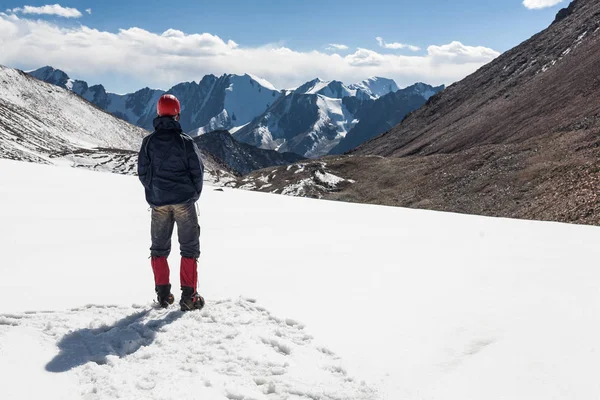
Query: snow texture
[[333, 116], [418, 304], [232, 350]]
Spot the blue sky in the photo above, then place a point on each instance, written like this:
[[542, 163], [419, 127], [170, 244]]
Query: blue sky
[[303, 27]]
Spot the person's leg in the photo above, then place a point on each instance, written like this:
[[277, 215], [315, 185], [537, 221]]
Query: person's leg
[[161, 231], [188, 231]]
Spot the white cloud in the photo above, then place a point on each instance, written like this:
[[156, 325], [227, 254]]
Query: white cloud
[[458, 53], [539, 4], [55, 9], [334, 47], [88, 10], [162, 60], [396, 45], [365, 58]]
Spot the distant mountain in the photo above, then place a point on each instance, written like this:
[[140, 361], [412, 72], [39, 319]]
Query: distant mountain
[[316, 117], [313, 118], [385, 113], [306, 124], [227, 102], [241, 157]]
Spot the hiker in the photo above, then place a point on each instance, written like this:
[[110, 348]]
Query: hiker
[[171, 170]]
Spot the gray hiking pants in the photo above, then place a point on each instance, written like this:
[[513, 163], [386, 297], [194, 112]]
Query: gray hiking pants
[[188, 230]]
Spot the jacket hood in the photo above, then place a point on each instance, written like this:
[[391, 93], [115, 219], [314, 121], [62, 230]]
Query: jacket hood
[[167, 123]]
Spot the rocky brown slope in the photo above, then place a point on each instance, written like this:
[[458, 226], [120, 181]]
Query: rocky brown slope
[[549, 84]]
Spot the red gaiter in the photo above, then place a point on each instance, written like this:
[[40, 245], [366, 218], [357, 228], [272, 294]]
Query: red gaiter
[[189, 272], [160, 266]]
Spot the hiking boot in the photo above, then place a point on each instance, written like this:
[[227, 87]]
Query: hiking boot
[[190, 299], [164, 296]]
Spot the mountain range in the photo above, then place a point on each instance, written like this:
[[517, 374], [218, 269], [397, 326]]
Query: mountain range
[[316, 117], [310, 120]]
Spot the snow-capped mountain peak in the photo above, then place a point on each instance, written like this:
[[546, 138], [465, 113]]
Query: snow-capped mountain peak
[[371, 88], [51, 75], [333, 89], [263, 82], [229, 102], [57, 77], [376, 87], [311, 86]]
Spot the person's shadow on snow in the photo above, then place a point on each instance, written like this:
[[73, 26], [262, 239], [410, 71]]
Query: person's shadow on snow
[[121, 339]]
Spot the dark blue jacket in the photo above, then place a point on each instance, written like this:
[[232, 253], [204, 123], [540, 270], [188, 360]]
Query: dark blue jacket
[[169, 165]]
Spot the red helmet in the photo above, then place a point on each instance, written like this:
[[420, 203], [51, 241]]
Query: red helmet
[[168, 106]]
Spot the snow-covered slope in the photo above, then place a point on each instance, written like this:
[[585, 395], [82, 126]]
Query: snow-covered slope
[[240, 99], [43, 123], [418, 304], [307, 124]]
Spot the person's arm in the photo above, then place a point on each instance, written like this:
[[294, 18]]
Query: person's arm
[[144, 164], [196, 166]]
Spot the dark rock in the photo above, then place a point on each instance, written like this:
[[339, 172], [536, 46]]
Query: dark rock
[[241, 157]]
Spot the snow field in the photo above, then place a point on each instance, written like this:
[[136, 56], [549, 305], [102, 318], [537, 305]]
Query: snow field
[[418, 304]]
